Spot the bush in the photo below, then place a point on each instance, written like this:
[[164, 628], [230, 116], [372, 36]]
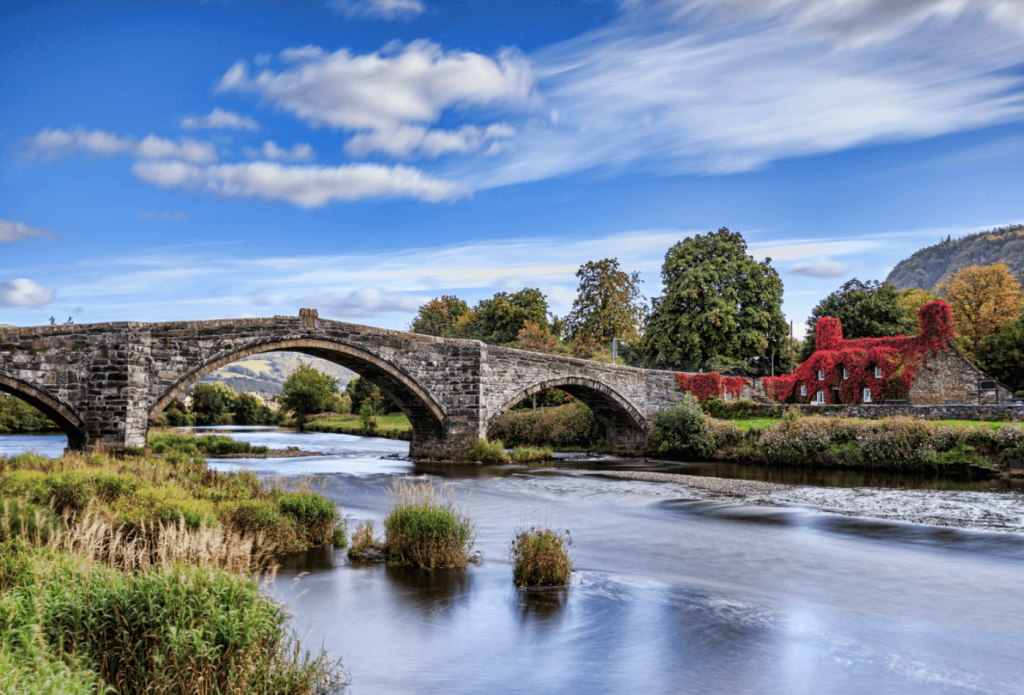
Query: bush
[[425, 527], [677, 428], [315, 515], [540, 557], [572, 425], [527, 454], [364, 545]]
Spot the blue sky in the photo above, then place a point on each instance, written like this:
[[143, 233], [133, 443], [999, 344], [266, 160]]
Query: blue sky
[[193, 160]]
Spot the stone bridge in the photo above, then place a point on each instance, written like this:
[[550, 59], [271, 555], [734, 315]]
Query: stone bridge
[[104, 383]]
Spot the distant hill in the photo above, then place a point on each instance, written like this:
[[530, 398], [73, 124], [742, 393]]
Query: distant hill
[[929, 266], [266, 373]]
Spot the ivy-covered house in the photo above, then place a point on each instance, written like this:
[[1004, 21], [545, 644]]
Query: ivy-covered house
[[925, 369]]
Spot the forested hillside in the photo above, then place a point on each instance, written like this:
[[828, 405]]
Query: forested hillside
[[929, 266], [266, 373]]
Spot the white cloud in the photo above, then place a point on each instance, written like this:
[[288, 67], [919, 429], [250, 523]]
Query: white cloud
[[365, 302], [57, 143], [729, 85], [300, 152], [306, 186], [408, 140], [218, 118], [24, 292], [821, 268], [396, 86], [378, 9], [17, 231]]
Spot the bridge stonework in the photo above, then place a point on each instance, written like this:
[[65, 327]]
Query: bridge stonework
[[104, 383]]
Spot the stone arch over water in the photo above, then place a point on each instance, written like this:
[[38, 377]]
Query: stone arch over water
[[624, 424], [61, 413], [426, 415]]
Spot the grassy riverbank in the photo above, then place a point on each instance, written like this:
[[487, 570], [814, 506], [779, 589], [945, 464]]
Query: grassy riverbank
[[391, 426], [135, 573]]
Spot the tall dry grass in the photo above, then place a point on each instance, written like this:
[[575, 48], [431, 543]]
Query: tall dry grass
[[425, 526]]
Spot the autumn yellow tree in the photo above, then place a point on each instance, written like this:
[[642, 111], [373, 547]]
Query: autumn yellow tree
[[912, 299], [983, 298]]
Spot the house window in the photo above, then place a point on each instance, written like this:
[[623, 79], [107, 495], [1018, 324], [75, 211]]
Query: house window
[[878, 372], [821, 398], [846, 374], [867, 395], [803, 390], [821, 375]]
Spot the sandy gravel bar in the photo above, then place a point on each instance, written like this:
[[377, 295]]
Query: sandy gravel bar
[[725, 486]]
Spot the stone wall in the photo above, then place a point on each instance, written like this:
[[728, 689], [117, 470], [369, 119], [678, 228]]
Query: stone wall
[[1008, 412], [949, 375]]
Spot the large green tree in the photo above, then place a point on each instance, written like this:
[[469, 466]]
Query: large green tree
[[1001, 354], [361, 390], [720, 305], [606, 304], [869, 309], [211, 401], [306, 390], [499, 319]]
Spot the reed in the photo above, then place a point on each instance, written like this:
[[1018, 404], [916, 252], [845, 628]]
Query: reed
[[425, 527], [540, 557]]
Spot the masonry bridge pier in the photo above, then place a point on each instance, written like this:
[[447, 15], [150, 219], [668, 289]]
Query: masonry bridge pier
[[104, 383]]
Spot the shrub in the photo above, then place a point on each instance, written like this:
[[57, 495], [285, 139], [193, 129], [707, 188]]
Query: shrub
[[487, 452], [540, 557], [527, 454], [425, 527], [677, 428], [572, 425], [315, 515]]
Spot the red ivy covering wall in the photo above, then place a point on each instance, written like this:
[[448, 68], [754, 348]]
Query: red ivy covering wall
[[706, 386], [899, 356]]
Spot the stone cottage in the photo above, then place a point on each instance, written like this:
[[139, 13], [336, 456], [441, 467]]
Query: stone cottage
[[926, 369]]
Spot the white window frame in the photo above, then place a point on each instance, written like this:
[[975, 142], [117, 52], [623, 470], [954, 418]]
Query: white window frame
[[846, 374], [867, 396], [821, 397], [803, 389], [821, 375], [878, 372]]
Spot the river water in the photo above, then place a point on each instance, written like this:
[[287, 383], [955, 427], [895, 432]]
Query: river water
[[677, 589]]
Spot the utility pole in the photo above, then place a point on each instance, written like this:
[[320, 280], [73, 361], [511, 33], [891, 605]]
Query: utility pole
[[615, 349], [790, 347]]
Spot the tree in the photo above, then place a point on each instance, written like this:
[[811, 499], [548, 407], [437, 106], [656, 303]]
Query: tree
[[499, 319], [984, 298], [440, 316], [533, 337], [210, 402], [361, 390], [605, 306], [306, 390], [719, 303], [869, 309], [912, 300], [1001, 354], [249, 410]]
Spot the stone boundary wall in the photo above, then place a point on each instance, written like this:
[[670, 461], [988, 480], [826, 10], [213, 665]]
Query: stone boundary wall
[[926, 412]]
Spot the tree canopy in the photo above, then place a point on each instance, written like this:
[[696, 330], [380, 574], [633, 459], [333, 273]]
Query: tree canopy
[[1001, 354], [306, 390], [869, 309], [984, 298], [211, 401], [499, 319], [719, 303], [440, 316], [606, 304]]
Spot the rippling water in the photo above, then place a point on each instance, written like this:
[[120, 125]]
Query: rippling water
[[676, 590]]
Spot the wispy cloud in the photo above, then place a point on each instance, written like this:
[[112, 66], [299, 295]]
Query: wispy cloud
[[24, 292], [821, 268], [378, 9], [219, 119], [366, 302], [51, 144], [412, 140], [18, 231], [306, 186]]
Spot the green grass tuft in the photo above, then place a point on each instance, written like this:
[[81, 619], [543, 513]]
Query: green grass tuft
[[540, 557]]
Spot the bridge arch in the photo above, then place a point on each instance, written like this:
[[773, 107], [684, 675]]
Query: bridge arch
[[61, 413], [426, 415], [624, 424]]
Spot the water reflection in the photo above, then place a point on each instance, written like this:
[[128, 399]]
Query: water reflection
[[430, 592], [541, 607]]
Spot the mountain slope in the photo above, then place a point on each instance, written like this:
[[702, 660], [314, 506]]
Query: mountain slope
[[930, 265], [266, 373]]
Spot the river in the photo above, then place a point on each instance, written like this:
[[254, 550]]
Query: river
[[678, 589]]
